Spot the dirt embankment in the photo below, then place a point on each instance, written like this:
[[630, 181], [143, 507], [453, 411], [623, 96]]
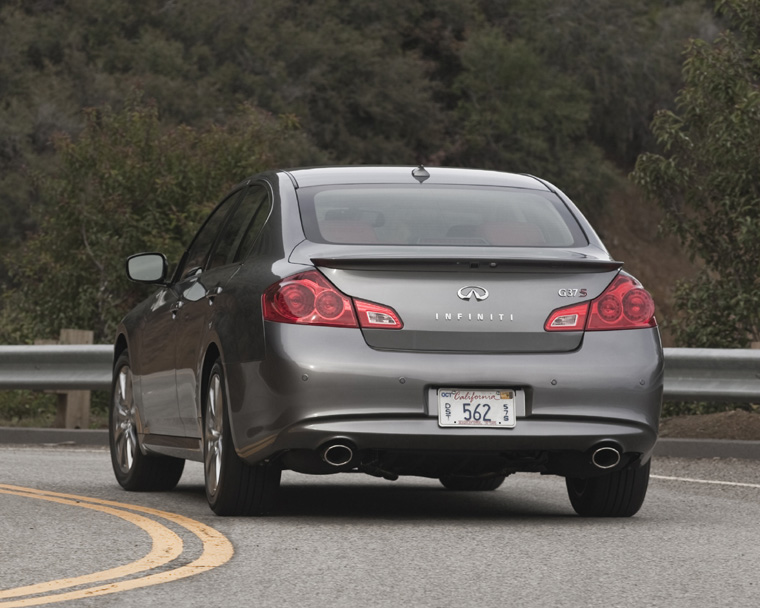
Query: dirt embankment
[[737, 424]]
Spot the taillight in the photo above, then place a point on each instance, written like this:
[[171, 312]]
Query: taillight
[[570, 318], [625, 304], [377, 316], [310, 299]]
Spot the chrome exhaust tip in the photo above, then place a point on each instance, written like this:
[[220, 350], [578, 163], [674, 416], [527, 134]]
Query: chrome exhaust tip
[[337, 454], [605, 457]]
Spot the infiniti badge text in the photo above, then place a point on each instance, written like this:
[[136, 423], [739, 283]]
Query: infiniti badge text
[[572, 293], [470, 316]]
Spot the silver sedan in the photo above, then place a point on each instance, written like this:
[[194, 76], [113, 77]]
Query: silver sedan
[[457, 324]]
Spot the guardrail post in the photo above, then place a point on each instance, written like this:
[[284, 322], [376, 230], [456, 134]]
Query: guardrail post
[[73, 406]]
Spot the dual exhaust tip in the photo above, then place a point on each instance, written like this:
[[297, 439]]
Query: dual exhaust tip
[[341, 454], [606, 457], [337, 454]]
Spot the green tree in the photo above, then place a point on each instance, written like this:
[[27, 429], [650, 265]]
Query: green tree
[[625, 54], [397, 81], [706, 180], [128, 184], [519, 114]]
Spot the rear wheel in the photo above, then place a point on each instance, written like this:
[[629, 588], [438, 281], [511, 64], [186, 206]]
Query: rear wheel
[[232, 486], [473, 484], [618, 494], [134, 470]]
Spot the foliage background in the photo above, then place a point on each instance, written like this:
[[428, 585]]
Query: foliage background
[[122, 123], [706, 180], [128, 184]]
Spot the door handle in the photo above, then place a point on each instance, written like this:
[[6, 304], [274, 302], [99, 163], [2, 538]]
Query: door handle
[[212, 293], [176, 308]]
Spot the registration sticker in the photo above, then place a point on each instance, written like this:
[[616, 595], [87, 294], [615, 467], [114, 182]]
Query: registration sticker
[[476, 407]]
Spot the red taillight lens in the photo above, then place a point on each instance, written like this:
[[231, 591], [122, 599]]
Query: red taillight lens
[[638, 306], [608, 308], [294, 300], [329, 305], [625, 304], [310, 299]]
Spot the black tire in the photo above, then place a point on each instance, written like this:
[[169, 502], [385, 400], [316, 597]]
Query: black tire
[[232, 486], [618, 494], [134, 470], [472, 484]]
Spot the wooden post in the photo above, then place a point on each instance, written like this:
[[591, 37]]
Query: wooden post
[[74, 406]]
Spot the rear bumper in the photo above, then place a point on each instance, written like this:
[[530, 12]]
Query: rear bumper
[[424, 434], [320, 384], [420, 447]]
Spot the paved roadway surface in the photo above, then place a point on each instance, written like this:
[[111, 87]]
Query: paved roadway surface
[[355, 541]]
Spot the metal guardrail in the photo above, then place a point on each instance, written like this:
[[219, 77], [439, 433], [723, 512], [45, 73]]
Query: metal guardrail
[[56, 367], [691, 374], [714, 375]]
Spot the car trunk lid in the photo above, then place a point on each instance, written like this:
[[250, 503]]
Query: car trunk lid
[[478, 302]]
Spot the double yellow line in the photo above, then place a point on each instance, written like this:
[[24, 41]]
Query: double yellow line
[[167, 546]]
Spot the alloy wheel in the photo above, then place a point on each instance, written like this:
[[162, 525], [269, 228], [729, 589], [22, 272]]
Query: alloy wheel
[[214, 434], [124, 421]]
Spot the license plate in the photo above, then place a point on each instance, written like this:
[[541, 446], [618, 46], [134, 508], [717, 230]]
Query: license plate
[[476, 407]]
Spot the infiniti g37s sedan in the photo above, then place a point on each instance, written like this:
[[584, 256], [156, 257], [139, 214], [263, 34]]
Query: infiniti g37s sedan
[[455, 324]]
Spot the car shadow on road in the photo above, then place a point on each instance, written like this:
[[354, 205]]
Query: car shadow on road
[[340, 500], [334, 499]]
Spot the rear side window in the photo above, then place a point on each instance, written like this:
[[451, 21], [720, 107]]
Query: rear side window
[[258, 197], [240, 226], [199, 249], [465, 216]]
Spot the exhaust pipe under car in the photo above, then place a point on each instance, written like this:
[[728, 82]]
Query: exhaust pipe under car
[[337, 454], [605, 457]]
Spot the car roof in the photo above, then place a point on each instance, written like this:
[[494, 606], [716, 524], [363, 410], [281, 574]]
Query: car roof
[[330, 176]]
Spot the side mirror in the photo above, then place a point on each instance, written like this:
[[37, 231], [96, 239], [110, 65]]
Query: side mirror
[[147, 268]]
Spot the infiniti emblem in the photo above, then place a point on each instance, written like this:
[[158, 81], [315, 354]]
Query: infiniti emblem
[[466, 293]]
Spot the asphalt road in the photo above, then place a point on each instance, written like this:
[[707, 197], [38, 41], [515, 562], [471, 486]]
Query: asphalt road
[[350, 540]]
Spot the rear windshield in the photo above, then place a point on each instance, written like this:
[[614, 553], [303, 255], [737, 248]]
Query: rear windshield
[[466, 216]]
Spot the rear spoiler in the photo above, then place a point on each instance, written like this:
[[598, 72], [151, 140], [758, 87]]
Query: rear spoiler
[[444, 264]]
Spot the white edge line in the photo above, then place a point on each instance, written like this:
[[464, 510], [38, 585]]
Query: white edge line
[[708, 481]]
